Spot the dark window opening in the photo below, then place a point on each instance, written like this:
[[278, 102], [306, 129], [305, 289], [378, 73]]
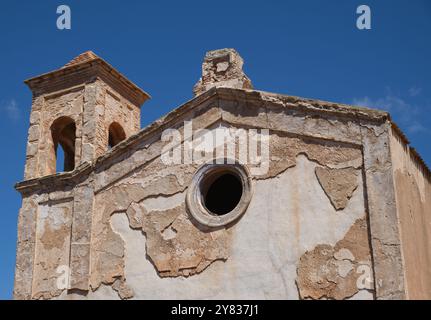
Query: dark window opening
[[116, 134], [223, 194], [64, 134]]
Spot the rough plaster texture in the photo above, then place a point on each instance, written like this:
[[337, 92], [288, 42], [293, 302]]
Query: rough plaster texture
[[263, 253], [340, 271], [413, 192], [323, 216], [338, 184], [52, 247]]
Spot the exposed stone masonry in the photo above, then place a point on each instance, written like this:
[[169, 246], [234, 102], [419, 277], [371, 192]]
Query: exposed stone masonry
[[222, 68]]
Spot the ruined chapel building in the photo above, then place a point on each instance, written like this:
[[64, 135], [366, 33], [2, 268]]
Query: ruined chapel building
[[327, 202]]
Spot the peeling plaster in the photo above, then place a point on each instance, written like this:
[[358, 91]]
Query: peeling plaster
[[263, 256], [335, 272], [153, 200], [140, 223], [339, 184]]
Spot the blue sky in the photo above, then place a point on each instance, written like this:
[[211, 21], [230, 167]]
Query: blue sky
[[305, 48]]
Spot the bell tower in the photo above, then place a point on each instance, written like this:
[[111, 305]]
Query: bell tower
[[85, 108]]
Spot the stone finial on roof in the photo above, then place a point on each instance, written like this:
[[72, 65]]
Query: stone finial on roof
[[222, 68]]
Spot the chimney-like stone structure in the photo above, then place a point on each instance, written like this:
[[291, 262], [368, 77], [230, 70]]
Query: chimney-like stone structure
[[222, 68]]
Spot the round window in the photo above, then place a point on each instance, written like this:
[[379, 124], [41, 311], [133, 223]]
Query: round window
[[219, 193]]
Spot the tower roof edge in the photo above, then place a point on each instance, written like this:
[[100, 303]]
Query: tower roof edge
[[84, 61]]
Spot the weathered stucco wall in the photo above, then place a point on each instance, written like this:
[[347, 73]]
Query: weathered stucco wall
[[144, 215], [54, 221], [307, 240], [413, 192], [322, 222]]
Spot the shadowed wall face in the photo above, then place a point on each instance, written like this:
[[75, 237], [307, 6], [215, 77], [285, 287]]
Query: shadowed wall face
[[413, 190]]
